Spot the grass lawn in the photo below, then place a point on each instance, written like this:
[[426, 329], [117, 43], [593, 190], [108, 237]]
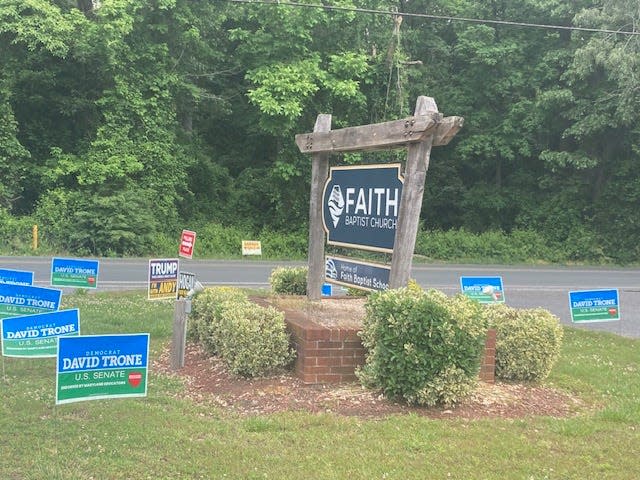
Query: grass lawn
[[164, 436]]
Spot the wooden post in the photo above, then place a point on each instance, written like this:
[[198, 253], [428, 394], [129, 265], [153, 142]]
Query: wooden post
[[179, 338], [418, 155], [426, 129], [319, 174]]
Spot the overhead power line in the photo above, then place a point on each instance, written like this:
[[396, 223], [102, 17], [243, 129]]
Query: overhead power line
[[435, 17]]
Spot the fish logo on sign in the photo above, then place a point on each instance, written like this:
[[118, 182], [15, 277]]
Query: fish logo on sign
[[336, 204], [330, 269]]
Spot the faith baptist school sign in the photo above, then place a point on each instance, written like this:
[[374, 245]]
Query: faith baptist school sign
[[361, 205]]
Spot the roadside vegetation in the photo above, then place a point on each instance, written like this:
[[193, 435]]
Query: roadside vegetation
[[169, 436], [224, 242], [123, 122]]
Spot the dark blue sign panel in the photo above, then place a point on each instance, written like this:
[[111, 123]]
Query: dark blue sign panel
[[356, 274], [26, 300], [16, 277], [594, 306], [483, 289], [361, 205], [36, 335]]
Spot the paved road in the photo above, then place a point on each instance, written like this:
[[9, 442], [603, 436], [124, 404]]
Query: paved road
[[525, 287]]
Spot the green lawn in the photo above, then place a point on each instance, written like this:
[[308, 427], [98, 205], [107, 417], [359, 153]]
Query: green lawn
[[164, 436]]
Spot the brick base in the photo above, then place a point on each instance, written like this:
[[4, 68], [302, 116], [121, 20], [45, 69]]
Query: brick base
[[331, 354], [324, 354], [488, 362]]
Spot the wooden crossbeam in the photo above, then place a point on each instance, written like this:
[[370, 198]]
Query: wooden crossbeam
[[446, 130], [376, 136]]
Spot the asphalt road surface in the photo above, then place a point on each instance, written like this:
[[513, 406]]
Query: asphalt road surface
[[524, 286]]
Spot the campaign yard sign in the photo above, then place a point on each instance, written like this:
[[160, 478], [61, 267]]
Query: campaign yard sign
[[483, 289], [94, 367], [36, 336], [187, 244], [186, 283], [163, 278], [251, 247], [361, 205], [26, 300], [16, 277], [594, 306], [70, 272], [357, 274]]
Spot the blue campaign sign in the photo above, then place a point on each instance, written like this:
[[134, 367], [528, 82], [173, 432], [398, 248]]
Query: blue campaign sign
[[361, 206], [36, 335], [164, 274], [356, 274], [70, 272], [93, 367], [16, 277], [26, 300], [594, 305], [483, 289]]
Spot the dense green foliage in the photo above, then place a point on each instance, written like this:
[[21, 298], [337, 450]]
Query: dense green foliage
[[289, 280], [422, 347], [124, 121], [251, 340], [528, 342]]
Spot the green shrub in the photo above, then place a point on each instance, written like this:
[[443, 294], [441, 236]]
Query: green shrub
[[251, 340], [290, 245], [528, 342], [517, 246], [289, 280], [422, 347], [207, 310], [356, 292], [16, 234]]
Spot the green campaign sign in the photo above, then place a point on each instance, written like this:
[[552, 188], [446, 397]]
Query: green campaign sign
[[594, 306], [483, 289], [18, 300], [68, 272], [37, 335], [97, 367]]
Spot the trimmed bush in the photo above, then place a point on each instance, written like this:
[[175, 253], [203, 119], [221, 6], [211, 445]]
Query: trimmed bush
[[207, 310], [528, 342], [251, 340], [289, 280], [422, 347]]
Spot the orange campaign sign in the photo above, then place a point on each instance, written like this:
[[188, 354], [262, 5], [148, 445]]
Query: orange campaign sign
[[251, 247], [187, 242]]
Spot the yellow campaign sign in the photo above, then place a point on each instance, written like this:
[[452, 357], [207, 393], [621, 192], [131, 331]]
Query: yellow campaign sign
[[251, 247]]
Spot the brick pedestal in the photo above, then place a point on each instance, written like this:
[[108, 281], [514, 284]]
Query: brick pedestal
[[324, 354], [330, 354], [488, 363]]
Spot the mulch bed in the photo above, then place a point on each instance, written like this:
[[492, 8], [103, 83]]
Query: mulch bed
[[207, 380]]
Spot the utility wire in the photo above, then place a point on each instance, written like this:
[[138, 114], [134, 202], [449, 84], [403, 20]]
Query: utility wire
[[435, 17]]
